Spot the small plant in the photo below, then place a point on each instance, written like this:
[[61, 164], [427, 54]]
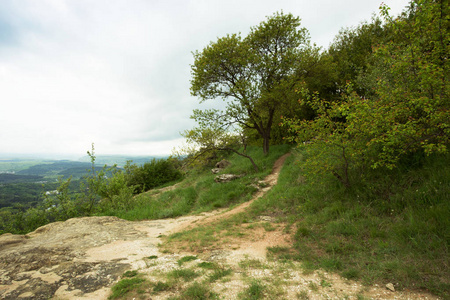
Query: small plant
[[186, 259], [130, 273], [207, 265], [185, 274], [254, 291], [125, 286], [324, 283], [268, 226], [152, 257], [313, 286], [198, 291], [303, 295], [251, 263], [161, 287], [351, 274], [218, 274]]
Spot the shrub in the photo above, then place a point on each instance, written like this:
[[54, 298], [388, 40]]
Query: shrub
[[152, 174]]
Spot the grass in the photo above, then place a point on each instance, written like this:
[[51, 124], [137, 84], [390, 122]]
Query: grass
[[199, 192], [186, 259], [185, 274], [254, 291], [391, 226], [197, 291], [370, 232], [131, 282], [219, 273]]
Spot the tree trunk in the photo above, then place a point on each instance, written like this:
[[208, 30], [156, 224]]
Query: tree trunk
[[266, 143]]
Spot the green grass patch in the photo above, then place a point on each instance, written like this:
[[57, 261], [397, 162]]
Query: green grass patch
[[197, 291], [219, 273], [126, 286], [254, 291], [185, 274], [390, 224], [161, 287], [198, 192], [186, 259]]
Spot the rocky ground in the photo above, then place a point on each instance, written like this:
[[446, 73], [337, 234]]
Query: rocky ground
[[82, 258]]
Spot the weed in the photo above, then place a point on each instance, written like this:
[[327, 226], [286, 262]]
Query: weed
[[186, 259], [218, 274], [207, 265], [251, 263], [351, 274], [254, 291], [161, 287], [197, 291], [303, 295], [313, 286], [185, 274], [268, 226], [130, 273], [324, 283], [125, 286]]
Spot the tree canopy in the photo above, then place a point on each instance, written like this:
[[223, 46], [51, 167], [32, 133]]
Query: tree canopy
[[250, 73]]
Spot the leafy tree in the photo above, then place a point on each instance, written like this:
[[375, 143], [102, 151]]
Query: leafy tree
[[408, 111], [351, 52], [152, 174], [209, 137], [251, 72]]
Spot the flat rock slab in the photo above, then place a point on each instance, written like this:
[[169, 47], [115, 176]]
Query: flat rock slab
[[78, 258]]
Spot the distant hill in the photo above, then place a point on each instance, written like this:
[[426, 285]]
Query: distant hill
[[54, 168], [119, 160], [13, 178]]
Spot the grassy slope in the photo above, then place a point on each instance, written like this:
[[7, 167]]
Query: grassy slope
[[393, 229], [198, 192], [396, 232]]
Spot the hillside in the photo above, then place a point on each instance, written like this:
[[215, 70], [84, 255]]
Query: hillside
[[246, 252]]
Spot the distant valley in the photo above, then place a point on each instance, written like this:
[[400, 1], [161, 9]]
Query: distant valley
[[24, 180]]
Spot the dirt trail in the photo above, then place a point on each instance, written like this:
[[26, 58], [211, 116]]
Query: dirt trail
[[82, 258]]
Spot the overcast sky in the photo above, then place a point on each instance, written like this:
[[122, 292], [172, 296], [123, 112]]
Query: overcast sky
[[116, 72]]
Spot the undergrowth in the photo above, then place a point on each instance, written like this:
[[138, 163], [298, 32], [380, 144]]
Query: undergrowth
[[199, 192], [388, 227], [393, 226]]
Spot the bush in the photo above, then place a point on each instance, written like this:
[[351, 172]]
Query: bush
[[153, 174]]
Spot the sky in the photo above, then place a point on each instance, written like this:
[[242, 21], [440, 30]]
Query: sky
[[116, 73]]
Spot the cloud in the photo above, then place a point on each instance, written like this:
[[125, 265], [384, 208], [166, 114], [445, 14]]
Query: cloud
[[117, 73]]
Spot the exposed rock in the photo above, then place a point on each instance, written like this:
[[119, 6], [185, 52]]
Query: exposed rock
[[226, 177], [8, 239], [216, 170], [36, 265], [267, 219], [390, 287], [223, 164]]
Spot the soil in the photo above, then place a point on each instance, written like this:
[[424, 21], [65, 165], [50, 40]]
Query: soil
[[82, 258]]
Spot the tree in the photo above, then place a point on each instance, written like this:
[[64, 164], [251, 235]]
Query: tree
[[408, 110], [212, 136], [249, 72]]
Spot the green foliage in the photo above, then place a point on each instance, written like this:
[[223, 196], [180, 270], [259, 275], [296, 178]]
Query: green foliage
[[372, 231], [125, 286], [407, 112], [186, 259], [254, 291], [251, 73], [185, 274], [196, 291], [152, 174], [211, 136], [199, 192]]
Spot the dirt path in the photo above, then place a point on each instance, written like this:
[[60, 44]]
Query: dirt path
[[81, 258]]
